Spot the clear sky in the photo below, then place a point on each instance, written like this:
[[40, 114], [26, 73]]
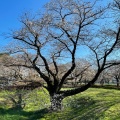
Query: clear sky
[[10, 12]]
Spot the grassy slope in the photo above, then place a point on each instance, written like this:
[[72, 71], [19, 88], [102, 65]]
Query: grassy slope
[[93, 104]]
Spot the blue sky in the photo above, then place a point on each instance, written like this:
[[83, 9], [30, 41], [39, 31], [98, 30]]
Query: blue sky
[[10, 12]]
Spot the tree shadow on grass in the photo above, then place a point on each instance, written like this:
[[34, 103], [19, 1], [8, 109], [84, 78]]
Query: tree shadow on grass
[[32, 115], [88, 109], [84, 108]]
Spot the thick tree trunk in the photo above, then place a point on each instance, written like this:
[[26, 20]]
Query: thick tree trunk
[[56, 102]]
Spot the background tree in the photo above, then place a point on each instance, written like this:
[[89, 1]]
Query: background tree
[[105, 77], [6, 75], [58, 36], [81, 74], [115, 74], [17, 78]]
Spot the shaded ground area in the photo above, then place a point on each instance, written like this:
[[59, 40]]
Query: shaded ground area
[[94, 104], [13, 114]]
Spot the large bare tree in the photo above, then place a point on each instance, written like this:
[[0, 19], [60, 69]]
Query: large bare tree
[[65, 31]]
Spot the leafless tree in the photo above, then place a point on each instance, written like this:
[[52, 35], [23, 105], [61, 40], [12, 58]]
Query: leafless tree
[[5, 73], [81, 74], [57, 37], [115, 74], [105, 77]]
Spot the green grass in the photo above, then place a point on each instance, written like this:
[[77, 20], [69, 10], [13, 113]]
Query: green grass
[[93, 104]]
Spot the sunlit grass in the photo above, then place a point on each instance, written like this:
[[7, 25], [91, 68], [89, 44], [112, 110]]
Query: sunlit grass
[[93, 104]]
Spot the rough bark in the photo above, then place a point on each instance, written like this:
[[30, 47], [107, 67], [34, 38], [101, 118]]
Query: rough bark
[[56, 102]]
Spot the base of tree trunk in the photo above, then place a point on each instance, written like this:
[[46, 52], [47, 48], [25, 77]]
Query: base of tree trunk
[[56, 102]]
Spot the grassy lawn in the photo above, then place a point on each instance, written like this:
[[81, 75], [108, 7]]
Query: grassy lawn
[[93, 104]]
